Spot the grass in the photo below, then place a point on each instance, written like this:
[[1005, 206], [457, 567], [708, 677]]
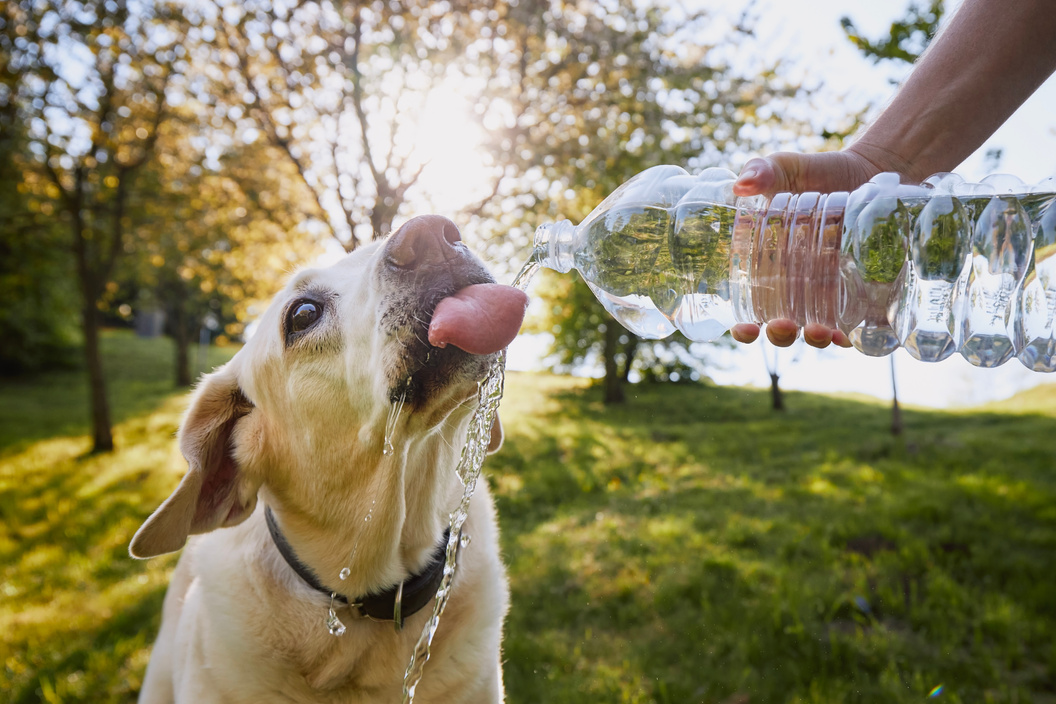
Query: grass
[[690, 546], [77, 615], [695, 546]]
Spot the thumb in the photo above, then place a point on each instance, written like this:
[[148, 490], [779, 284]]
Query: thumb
[[756, 177], [777, 173], [790, 172]]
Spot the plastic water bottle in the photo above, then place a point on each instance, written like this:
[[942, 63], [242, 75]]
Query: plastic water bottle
[[943, 267]]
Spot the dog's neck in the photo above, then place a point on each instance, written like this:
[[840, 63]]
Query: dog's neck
[[383, 526]]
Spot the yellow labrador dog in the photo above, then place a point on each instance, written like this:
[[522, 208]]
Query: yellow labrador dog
[[290, 482]]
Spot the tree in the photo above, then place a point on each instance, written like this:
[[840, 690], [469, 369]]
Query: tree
[[906, 38], [583, 96], [341, 89], [215, 237], [574, 309], [38, 325], [93, 91]]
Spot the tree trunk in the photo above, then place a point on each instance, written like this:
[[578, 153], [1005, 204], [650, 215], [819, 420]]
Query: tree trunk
[[183, 358], [896, 412], [181, 338], [386, 205], [629, 353], [613, 381], [102, 438], [777, 400]]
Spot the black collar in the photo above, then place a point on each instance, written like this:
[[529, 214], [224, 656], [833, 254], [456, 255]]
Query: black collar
[[395, 603]]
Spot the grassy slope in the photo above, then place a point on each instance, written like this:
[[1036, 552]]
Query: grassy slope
[[690, 546], [694, 546], [77, 615]]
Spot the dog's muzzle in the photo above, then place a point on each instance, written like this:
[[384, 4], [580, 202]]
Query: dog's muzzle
[[424, 262]]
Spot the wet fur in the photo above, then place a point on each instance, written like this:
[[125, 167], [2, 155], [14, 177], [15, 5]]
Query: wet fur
[[298, 422]]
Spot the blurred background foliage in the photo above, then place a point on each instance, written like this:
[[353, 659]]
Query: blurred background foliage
[[184, 157]]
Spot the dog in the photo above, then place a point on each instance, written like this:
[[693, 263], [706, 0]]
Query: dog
[[305, 482]]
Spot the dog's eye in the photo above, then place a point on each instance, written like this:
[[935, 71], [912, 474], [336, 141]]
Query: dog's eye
[[303, 315]]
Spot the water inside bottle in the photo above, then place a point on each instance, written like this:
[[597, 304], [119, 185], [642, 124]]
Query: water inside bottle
[[619, 261], [700, 259], [1034, 323], [1000, 251], [659, 269]]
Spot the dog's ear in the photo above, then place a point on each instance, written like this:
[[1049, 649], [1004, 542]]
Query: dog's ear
[[214, 493], [496, 437]]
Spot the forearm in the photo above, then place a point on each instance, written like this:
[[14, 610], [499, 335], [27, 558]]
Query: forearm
[[990, 58]]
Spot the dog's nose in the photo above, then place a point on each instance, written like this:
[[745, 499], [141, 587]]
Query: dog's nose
[[422, 241]]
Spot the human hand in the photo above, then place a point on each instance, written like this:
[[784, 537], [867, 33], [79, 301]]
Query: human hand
[[788, 172]]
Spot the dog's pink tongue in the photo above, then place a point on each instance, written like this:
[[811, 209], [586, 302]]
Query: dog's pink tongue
[[479, 319]]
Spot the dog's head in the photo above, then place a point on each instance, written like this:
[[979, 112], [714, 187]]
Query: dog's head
[[303, 407]]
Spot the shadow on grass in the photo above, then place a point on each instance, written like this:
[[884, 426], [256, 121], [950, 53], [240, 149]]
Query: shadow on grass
[[694, 546], [100, 662], [79, 614]]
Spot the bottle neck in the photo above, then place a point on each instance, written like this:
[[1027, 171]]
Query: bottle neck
[[553, 246]]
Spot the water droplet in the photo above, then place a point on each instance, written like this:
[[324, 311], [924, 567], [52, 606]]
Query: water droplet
[[935, 692], [388, 449], [344, 573], [333, 623], [367, 518], [464, 540]]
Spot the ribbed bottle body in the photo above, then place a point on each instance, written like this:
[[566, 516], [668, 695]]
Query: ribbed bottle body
[[940, 268]]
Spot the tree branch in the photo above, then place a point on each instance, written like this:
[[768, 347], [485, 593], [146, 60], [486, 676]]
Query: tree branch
[[342, 197], [357, 105], [267, 122]]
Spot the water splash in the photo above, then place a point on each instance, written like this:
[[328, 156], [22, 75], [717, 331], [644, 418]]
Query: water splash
[[489, 393], [333, 623], [390, 424]]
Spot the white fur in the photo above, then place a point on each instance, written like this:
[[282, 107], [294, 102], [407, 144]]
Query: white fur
[[301, 427]]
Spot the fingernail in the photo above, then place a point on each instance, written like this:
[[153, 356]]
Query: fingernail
[[748, 174]]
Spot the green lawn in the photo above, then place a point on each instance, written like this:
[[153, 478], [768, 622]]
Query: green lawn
[[691, 546]]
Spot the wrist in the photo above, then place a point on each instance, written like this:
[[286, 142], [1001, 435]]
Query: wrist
[[873, 159]]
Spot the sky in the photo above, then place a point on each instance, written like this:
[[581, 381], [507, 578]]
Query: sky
[[811, 31]]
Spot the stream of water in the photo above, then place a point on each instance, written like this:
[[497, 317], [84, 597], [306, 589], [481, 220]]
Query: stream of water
[[489, 393]]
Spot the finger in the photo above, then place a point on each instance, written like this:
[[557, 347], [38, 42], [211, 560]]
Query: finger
[[840, 339], [756, 177], [745, 333], [817, 335], [781, 332]]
